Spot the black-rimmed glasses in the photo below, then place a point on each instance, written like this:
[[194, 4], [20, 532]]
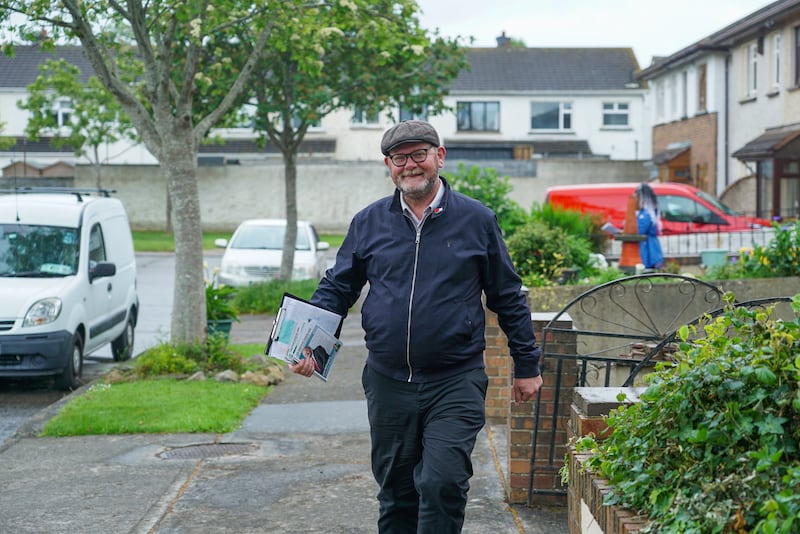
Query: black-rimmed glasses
[[418, 156]]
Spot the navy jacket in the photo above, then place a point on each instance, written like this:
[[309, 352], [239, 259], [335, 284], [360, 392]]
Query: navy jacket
[[423, 314]]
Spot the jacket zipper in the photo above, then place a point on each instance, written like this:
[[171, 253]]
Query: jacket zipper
[[411, 298]]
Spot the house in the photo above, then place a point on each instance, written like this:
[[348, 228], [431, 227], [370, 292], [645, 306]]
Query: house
[[513, 104], [726, 112]]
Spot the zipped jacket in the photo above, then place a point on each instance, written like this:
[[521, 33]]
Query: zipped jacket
[[423, 314]]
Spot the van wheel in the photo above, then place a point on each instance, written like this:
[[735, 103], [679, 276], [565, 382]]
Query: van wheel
[[122, 347], [70, 378]]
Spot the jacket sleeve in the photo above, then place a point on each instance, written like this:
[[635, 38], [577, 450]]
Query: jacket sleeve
[[341, 286], [505, 297]]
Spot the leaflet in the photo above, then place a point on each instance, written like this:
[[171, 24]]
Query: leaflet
[[303, 330]]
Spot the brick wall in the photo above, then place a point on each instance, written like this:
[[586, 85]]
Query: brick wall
[[587, 492], [701, 132], [520, 419]]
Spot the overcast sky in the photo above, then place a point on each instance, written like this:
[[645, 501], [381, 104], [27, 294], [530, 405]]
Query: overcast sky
[[650, 27]]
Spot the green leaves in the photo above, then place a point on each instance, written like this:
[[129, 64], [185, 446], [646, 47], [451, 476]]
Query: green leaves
[[716, 434]]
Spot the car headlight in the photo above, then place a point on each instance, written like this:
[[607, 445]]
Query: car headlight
[[233, 269], [43, 312]]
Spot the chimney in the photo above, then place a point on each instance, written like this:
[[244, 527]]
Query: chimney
[[503, 40]]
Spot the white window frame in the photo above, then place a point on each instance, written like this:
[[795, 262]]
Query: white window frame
[[564, 116], [62, 112], [616, 109], [776, 57], [360, 118], [751, 70]]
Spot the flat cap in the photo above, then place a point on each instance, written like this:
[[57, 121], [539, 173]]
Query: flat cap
[[408, 132]]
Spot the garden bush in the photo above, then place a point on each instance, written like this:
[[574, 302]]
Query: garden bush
[[483, 184], [779, 258], [541, 252], [713, 444]]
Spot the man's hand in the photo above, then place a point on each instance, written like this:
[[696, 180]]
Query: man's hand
[[526, 388], [304, 367]]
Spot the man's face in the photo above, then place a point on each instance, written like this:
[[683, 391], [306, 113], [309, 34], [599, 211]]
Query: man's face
[[416, 180]]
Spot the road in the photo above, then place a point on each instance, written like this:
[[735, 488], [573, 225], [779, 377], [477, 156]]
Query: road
[[21, 399]]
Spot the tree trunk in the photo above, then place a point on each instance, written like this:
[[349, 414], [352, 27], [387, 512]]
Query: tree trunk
[[290, 178], [189, 299]]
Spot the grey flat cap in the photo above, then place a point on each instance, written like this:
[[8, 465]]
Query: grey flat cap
[[408, 132]]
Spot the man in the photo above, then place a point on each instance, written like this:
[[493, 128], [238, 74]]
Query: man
[[429, 254]]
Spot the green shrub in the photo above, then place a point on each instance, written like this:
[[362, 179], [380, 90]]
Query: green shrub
[[779, 258], [714, 443], [164, 359], [184, 358], [573, 222], [483, 184], [540, 253], [266, 297]]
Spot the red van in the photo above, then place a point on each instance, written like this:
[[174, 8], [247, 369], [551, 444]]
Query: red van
[[684, 209]]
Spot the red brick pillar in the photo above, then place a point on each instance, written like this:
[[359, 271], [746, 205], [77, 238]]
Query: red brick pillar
[[520, 419]]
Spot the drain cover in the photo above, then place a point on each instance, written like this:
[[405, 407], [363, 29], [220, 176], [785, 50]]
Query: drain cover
[[208, 450]]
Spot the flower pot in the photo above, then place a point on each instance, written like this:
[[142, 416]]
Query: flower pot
[[219, 326]]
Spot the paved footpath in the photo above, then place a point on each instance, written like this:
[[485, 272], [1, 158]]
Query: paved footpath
[[298, 464]]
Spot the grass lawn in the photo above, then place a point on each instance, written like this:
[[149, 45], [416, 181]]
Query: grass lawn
[[158, 241], [156, 406]]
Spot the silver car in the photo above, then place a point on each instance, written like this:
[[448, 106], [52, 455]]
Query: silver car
[[254, 253]]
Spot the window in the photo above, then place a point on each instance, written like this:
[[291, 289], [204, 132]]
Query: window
[[406, 114], [776, 61], [62, 111], [551, 116], [362, 118], [97, 247], [751, 70], [797, 57], [478, 116], [660, 102], [701, 88], [615, 114]]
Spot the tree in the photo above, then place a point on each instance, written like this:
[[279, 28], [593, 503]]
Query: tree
[[367, 54], [96, 117], [150, 55]]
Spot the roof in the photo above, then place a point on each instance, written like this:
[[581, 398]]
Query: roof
[[547, 69], [781, 142], [753, 25], [22, 69], [670, 154]]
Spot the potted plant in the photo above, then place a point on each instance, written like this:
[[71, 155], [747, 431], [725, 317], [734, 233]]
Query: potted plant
[[220, 311]]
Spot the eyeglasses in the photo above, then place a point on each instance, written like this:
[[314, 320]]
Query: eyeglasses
[[418, 156]]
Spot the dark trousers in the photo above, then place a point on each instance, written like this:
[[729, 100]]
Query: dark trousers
[[422, 439]]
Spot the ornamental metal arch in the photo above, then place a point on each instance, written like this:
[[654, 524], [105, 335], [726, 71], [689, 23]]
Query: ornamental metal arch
[[619, 330], [605, 337]]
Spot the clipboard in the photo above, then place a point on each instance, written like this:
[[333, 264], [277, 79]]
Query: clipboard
[[300, 325]]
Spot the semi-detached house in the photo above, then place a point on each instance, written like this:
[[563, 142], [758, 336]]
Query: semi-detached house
[[514, 105], [726, 112]]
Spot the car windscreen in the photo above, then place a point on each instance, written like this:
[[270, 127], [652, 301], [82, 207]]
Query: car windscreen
[[267, 237], [38, 251]]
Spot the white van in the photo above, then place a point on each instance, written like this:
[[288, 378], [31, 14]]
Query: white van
[[67, 281]]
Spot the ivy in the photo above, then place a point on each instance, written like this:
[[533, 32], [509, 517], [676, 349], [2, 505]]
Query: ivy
[[714, 443]]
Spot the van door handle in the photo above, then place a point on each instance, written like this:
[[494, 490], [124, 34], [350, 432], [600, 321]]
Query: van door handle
[[109, 287]]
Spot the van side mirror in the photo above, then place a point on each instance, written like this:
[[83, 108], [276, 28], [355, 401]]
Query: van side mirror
[[102, 269]]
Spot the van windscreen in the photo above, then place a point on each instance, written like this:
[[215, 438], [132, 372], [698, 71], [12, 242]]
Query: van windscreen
[[38, 251]]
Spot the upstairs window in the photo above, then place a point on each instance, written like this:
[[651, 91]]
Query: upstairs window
[[478, 116], [362, 118], [551, 116], [406, 114], [751, 70], [797, 56], [776, 61], [62, 112], [615, 114], [701, 88]]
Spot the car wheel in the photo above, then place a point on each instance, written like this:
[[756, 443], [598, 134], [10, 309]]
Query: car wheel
[[122, 347], [70, 378]]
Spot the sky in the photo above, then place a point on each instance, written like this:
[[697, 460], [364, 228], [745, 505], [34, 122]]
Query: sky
[[650, 27]]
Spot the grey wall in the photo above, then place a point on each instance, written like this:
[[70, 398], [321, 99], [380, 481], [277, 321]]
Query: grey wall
[[329, 193]]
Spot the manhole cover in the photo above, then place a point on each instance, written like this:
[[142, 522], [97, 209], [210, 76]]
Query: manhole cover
[[208, 450]]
